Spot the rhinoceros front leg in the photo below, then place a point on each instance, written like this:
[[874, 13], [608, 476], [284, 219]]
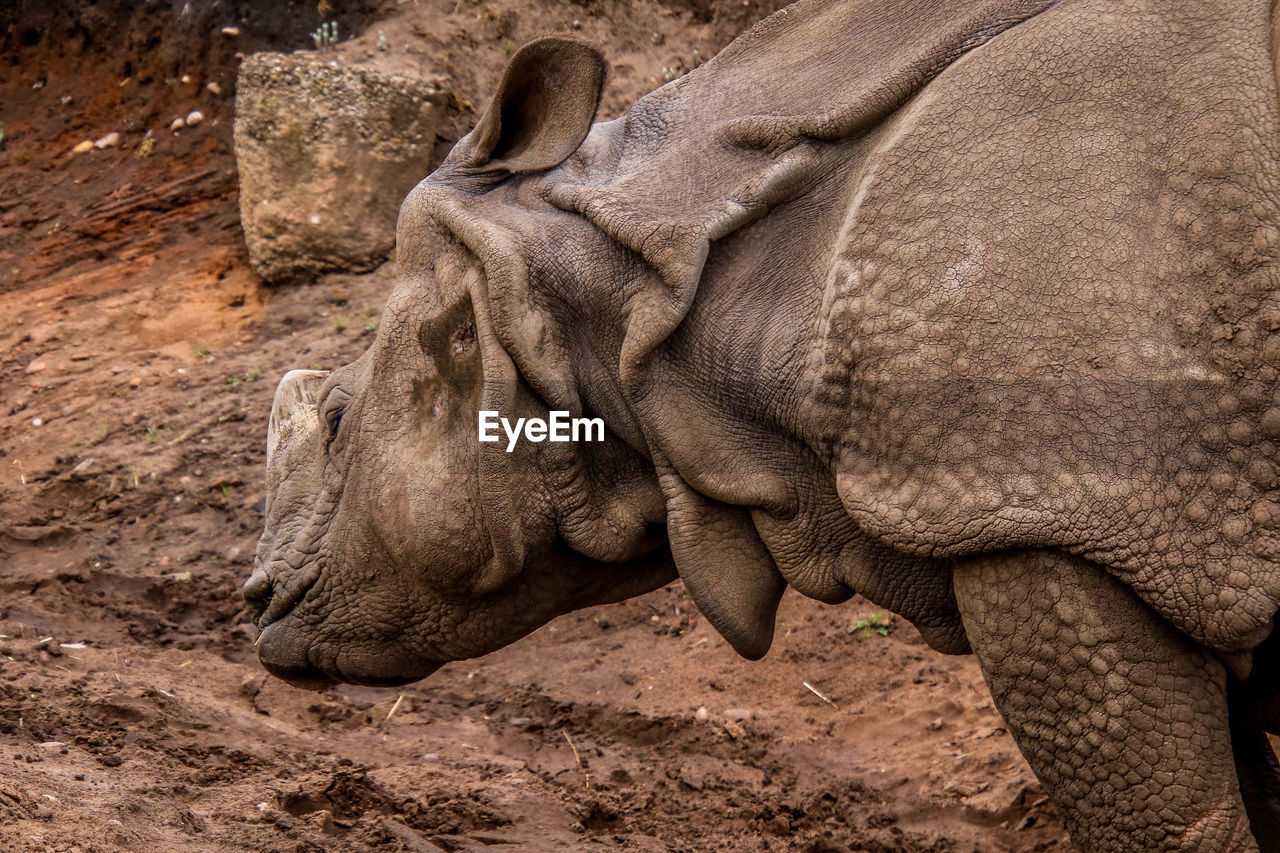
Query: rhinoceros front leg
[[1123, 719]]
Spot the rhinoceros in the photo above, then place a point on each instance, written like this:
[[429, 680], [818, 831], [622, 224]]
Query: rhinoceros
[[971, 307]]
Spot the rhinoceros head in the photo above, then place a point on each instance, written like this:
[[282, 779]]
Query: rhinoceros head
[[395, 541]]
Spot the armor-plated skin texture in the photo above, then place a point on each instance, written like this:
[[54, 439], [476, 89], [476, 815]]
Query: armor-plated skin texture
[[971, 307]]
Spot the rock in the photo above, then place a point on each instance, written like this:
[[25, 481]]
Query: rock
[[111, 140], [701, 714], [36, 422], [87, 145], [326, 154], [738, 714], [36, 366], [177, 124], [194, 117], [214, 87], [231, 31]]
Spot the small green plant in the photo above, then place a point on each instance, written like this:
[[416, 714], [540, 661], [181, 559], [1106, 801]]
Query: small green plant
[[368, 312], [340, 324], [881, 624], [382, 41], [200, 352], [253, 374], [508, 46], [147, 148], [371, 326], [326, 35], [154, 433], [227, 490]]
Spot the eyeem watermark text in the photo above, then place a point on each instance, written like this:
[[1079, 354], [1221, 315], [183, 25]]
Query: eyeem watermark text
[[560, 427]]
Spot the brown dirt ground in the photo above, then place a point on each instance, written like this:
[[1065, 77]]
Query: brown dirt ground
[[138, 355]]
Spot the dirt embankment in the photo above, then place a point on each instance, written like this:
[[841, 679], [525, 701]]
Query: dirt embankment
[[137, 360]]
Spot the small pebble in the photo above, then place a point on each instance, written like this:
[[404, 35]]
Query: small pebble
[[214, 87], [135, 382], [738, 714], [111, 140], [431, 758], [701, 714], [231, 31], [37, 366], [35, 422], [177, 124], [194, 117], [87, 145]]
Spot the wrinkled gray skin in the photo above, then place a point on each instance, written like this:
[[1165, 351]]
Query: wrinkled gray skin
[[969, 307]]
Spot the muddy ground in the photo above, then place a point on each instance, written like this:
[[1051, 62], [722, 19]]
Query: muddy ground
[[138, 356]]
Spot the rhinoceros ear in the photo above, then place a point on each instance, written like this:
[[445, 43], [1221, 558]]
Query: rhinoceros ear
[[724, 565], [543, 108]]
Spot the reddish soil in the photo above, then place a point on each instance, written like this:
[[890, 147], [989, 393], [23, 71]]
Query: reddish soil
[[138, 356]]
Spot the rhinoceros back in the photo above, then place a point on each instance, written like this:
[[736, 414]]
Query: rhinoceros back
[[1053, 314]]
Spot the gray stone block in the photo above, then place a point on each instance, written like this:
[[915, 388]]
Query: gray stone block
[[326, 153]]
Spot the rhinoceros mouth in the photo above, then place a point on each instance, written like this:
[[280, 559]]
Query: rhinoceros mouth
[[288, 650]]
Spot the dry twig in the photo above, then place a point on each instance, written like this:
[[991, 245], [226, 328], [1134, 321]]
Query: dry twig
[[578, 758], [818, 693]]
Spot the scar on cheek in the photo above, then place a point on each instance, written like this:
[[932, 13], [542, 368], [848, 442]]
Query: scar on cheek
[[464, 338], [441, 404]]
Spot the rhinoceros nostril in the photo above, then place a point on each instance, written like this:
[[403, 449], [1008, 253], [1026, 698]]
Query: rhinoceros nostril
[[257, 590]]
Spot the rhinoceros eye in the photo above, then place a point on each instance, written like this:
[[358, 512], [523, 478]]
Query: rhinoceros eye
[[332, 409]]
